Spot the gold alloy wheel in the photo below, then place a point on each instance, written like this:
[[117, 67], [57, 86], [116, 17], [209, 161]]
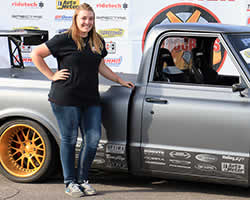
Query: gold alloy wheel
[[22, 150]]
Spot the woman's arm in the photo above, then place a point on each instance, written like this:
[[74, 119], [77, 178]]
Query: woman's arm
[[38, 55], [105, 71]]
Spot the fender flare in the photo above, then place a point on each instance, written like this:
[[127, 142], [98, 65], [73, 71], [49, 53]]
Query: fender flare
[[33, 115]]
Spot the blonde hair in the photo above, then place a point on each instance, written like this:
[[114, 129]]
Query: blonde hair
[[95, 39]]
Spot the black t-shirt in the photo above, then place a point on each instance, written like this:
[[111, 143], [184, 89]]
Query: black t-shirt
[[81, 87]]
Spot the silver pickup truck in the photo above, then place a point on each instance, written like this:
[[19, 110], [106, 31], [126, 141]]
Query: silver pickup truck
[[187, 118]]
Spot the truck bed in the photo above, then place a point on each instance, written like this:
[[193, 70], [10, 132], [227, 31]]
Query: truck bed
[[32, 73]]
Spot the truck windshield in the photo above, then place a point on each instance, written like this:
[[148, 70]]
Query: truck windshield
[[241, 43]]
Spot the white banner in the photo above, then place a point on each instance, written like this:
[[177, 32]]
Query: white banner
[[123, 24]]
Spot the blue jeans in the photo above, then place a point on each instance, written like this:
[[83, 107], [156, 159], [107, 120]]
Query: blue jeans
[[70, 119]]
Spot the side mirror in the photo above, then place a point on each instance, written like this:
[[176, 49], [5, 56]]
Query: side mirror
[[238, 87]]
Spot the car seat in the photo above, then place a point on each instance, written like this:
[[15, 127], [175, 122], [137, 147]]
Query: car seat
[[167, 68]]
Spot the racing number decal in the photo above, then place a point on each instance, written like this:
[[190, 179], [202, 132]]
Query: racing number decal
[[188, 13]]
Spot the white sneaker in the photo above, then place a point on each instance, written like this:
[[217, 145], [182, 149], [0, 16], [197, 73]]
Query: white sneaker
[[74, 190], [87, 188]]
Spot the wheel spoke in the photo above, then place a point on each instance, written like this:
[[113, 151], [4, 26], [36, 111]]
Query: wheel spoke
[[32, 163], [18, 151], [33, 136], [19, 139], [37, 159], [28, 164], [39, 145], [19, 158], [39, 156], [25, 135], [16, 142], [22, 161], [28, 132]]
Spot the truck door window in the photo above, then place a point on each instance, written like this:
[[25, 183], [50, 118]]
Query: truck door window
[[194, 61]]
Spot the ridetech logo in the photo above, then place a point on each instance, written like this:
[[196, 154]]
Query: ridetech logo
[[27, 5], [187, 13], [67, 4], [112, 6]]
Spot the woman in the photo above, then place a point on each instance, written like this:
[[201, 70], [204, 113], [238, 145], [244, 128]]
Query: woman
[[74, 95]]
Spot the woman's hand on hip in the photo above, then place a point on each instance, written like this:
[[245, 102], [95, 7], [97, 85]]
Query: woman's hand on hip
[[62, 74]]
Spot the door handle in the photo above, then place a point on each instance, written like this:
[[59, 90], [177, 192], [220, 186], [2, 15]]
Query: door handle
[[156, 100]]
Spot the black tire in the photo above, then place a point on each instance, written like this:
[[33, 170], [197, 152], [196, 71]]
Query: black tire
[[26, 151]]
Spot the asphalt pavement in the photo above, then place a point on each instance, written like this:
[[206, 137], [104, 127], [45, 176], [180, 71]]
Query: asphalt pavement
[[118, 186]]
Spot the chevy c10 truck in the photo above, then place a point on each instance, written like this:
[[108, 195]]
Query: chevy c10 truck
[[187, 118]]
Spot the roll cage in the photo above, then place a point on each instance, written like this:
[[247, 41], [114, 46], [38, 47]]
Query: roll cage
[[22, 36]]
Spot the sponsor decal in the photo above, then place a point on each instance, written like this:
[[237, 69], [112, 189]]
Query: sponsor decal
[[233, 158], [113, 161], [115, 148], [152, 152], [246, 55], [109, 156], [113, 62], [99, 161], [112, 6], [62, 30], [111, 47], [206, 158], [67, 4], [180, 154], [149, 158], [205, 167], [26, 60], [179, 166], [27, 17], [63, 18], [188, 13], [180, 162], [154, 163], [248, 20], [114, 32], [35, 4], [111, 18], [233, 168], [178, 44], [117, 165], [26, 48], [28, 27], [245, 41]]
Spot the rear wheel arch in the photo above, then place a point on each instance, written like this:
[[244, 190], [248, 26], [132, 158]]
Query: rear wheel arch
[[42, 120]]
